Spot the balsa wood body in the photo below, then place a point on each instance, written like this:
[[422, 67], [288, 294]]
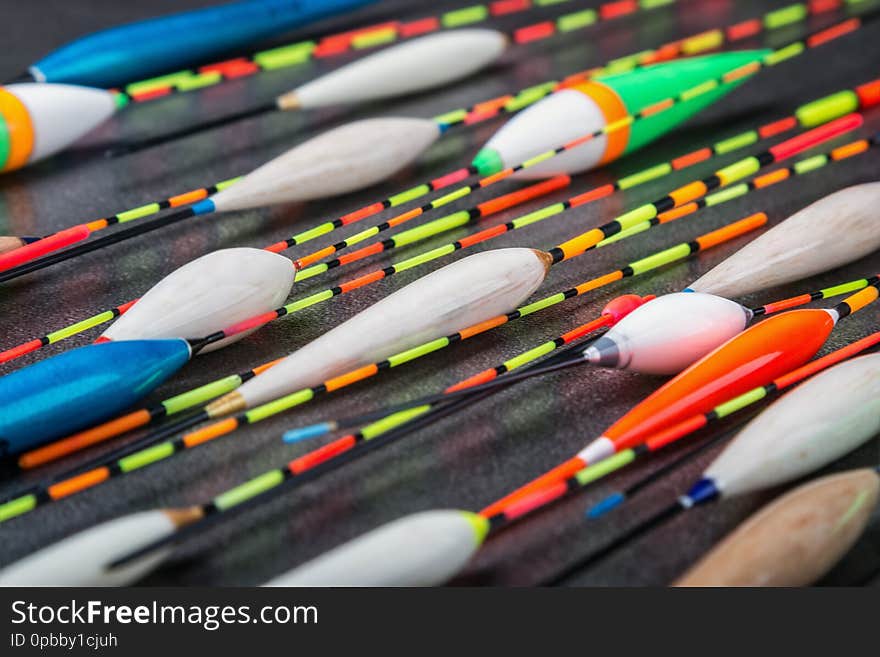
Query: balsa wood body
[[347, 158], [816, 423], [468, 291], [669, 333], [833, 231], [556, 120], [423, 549], [796, 539], [81, 559], [412, 66], [209, 294]]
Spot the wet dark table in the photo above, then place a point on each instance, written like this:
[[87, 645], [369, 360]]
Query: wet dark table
[[470, 459]]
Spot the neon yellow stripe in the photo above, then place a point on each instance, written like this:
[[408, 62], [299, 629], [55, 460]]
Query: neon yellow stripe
[[17, 507], [738, 170], [788, 52], [538, 215], [79, 327], [737, 403], [417, 352], [393, 421], [279, 405], [659, 259], [811, 164], [452, 117], [312, 233], [785, 16], [733, 143], [310, 272], [465, 16], [227, 183], [199, 80], [622, 235], [576, 20], [409, 195], [653, 4], [605, 467], [372, 39], [146, 457], [248, 490], [541, 304], [529, 356], [432, 228], [726, 195], [291, 55], [428, 256], [825, 109], [641, 177], [201, 394], [309, 301], [169, 80], [640, 214], [137, 213], [529, 96], [844, 288], [699, 90], [703, 42]]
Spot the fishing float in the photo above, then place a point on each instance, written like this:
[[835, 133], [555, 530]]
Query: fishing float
[[685, 194], [411, 67], [851, 222], [752, 358], [808, 428], [818, 521], [372, 36], [120, 54], [36, 121], [401, 545], [382, 147], [867, 95], [432, 547], [317, 362], [662, 339]]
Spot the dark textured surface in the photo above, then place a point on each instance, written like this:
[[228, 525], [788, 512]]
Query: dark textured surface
[[466, 461]]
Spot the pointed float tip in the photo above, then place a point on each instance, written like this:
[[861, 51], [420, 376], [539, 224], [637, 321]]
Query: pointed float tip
[[545, 258], [306, 433], [487, 162], [479, 524], [604, 506]]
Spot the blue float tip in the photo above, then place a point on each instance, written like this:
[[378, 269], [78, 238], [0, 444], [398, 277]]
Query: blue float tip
[[305, 433], [604, 506], [205, 206], [702, 491], [687, 289]]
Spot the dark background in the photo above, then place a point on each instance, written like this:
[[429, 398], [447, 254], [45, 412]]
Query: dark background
[[463, 462]]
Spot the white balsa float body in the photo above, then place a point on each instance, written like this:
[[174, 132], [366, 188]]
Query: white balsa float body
[[61, 113], [81, 559], [816, 423], [670, 333], [833, 231], [556, 120], [423, 549], [208, 294], [467, 292], [347, 158], [412, 66]]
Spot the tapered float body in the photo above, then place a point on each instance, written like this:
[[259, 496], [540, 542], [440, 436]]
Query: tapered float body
[[455, 297], [754, 357], [833, 231], [796, 539], [587, 107], [78, 388], [38, 120], [207, 295], [816, 423], [82, 559], [347, 158], [159, 45], [423, 549], [669, 333], [409, 67]]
